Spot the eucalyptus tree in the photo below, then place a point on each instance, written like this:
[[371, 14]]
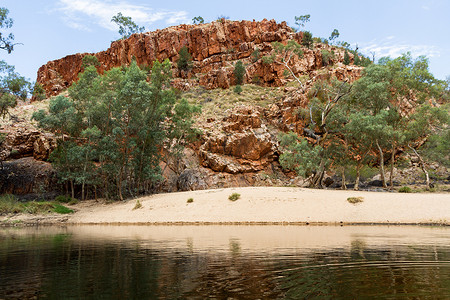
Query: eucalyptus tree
[[113, 127], [126, 25]]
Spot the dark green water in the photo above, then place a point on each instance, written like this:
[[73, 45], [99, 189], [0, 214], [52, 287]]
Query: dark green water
[[225, 262]]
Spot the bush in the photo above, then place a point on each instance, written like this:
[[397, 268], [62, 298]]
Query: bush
[[355, 200], [239, 72], [184, 62], [326, 57], [234, 197], [9, 205], [190, 200], [307, 39], [346, 58], [38, 92], [256, 55], [405, 189], [238, 89], [61, 209], [137, 205]]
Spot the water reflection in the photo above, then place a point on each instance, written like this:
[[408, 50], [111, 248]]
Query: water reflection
[[225, 262]]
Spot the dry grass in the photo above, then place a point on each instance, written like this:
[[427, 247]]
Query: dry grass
[[215, 102]]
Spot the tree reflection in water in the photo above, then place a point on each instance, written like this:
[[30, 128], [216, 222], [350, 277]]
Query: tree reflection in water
[[60, 265]]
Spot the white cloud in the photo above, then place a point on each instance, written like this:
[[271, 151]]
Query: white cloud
[[393, 48], [83, 14]]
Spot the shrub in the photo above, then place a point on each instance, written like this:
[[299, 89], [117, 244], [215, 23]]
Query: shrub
[[198, 20], [190, 200], [307, 39], [256, 55], [355, 200], [38, 92], [405, 189], [346, 58], [9, 205], [137, 205], [234, 197], [326, 57], [61, 209], [73, 201], [239, 72], [184, 62], [238, 89]]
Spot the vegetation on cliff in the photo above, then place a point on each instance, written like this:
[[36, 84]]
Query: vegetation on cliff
[[362, 123], [122, 123], [112, 128]]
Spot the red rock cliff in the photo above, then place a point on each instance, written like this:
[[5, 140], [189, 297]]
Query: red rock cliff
[[213, 46]]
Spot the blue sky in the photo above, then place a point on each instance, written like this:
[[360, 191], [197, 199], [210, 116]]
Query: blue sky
[[51, 29]]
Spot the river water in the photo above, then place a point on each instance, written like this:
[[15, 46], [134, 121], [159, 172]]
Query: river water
[[225, 262]]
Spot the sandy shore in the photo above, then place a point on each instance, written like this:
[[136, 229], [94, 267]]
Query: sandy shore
[[260, 205]]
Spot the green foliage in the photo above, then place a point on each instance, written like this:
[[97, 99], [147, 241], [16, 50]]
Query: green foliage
[[113, 126], [6, 41], [356, 60], [61, 209], [256, 55], [268, 59], [184, 62], [239, 72], [405, 189], [10, 205], [334, 35], [286, 51], [198, 20], [298, 155], [346, 58], [12, 86], [307, 39], [326, 57], [126, 25], [38, 92], [234, 197], [89, 60], [190, 200], [12, 83], [437, 147], [7, 101], [237, 89], [301, 21]]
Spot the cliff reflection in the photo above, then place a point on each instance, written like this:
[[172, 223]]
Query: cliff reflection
[[224, 262]]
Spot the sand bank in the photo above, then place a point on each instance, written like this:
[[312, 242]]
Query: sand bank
[[264, 205]]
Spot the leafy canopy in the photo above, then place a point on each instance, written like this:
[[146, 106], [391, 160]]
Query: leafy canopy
[[126, 25], [6, 42]]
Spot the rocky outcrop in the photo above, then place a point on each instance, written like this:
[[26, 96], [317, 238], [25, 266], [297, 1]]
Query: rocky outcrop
[[240, 143], [26, 176], [212, 46], [26, 142], [215, 47]]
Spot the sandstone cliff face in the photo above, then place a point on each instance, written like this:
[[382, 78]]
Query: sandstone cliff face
[[238, 149], [214, 47]]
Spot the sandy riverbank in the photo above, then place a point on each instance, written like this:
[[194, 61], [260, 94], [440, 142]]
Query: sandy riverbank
[[260, 205]]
